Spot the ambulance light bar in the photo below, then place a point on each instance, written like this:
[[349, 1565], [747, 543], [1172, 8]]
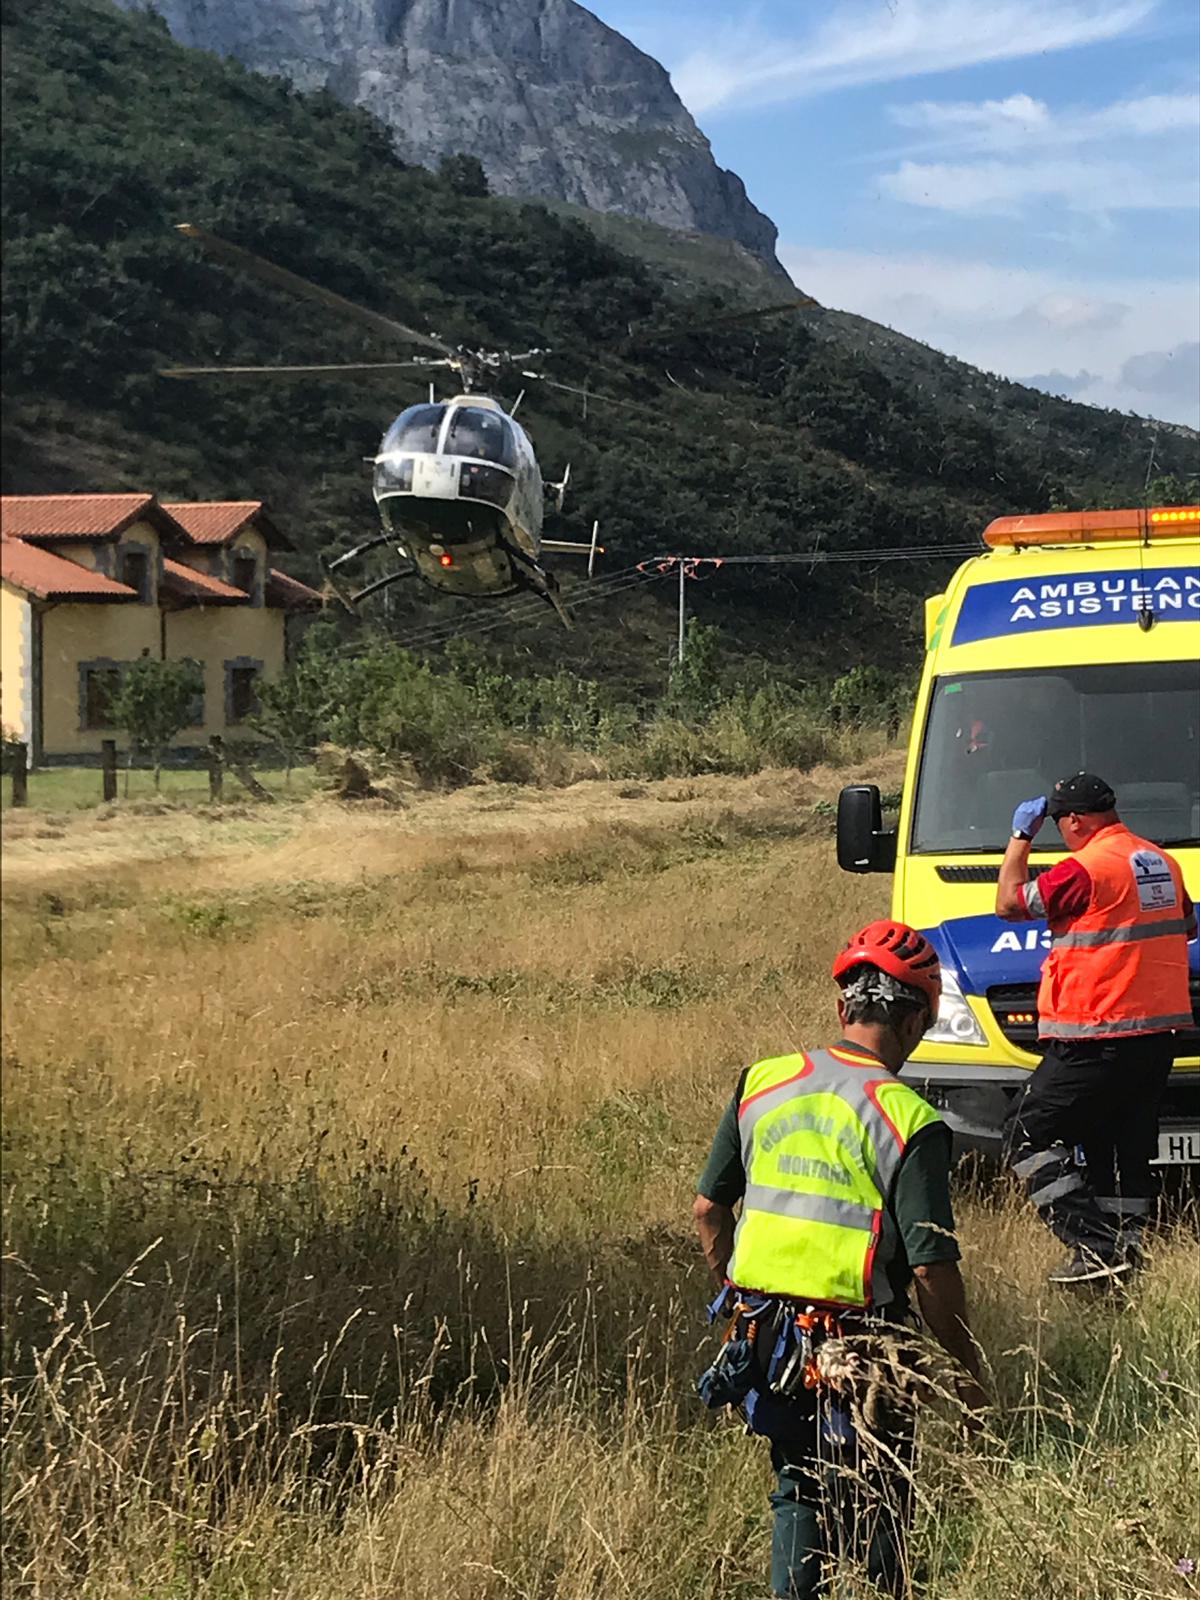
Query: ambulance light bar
[[1090, 527]]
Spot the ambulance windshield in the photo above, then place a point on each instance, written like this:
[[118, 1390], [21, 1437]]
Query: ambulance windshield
[[993, 739]]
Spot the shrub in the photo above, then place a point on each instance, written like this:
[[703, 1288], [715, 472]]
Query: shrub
[[156, 701]]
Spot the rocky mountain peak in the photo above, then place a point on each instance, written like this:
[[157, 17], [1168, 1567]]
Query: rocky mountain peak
[[550, 99]]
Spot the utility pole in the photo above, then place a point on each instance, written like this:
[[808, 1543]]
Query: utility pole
[[682, 582]]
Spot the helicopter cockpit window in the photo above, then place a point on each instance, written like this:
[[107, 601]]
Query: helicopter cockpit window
[[416, 430], [483, 435]]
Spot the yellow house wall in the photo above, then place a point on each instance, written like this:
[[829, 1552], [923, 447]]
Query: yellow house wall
[[16, 662], [215, 635], [93, 555], [75, 633]]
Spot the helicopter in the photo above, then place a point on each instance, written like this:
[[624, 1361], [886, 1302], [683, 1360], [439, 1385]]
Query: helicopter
[[460, 493]]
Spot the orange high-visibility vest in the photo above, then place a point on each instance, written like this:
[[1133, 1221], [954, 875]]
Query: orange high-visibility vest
[[1121, 968]]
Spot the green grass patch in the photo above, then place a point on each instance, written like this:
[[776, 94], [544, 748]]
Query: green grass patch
[[81, 788]]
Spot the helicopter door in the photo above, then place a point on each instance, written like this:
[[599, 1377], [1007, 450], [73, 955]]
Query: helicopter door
[[485, 439], [482, 435], [415, 432]]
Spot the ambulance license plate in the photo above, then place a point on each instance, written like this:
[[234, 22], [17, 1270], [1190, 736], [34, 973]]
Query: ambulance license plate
[[1178, 1147]]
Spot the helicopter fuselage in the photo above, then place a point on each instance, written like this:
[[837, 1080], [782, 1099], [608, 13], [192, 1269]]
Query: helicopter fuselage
[[458, 485]]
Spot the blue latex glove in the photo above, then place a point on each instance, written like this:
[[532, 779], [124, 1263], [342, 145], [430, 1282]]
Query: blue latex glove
[[1029, 816]]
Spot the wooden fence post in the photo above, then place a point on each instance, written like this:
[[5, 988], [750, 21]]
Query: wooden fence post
[[19, 757], [108, 767], [216, 767]]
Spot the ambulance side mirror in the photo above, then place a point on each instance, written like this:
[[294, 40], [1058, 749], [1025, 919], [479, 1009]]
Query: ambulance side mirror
[[862, 843]]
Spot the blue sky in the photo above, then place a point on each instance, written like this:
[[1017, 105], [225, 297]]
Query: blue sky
[[1016, 182]]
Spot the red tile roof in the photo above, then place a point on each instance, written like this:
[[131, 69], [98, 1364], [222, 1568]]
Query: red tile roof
[[220, 521], [79, 516], [289, 594], [50, 577], [185, 583]]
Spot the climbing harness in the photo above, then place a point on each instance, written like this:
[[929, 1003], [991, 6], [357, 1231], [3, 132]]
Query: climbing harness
[[769, 1365]]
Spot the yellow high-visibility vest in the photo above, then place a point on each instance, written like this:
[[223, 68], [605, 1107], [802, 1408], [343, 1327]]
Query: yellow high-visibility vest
[[823, 1135]]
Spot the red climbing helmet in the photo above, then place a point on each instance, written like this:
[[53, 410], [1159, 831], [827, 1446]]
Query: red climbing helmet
[[898, 950]]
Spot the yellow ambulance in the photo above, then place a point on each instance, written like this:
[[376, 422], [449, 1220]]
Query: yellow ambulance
[[1071, 643]]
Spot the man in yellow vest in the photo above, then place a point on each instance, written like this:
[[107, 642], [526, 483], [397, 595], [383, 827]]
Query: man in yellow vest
[[1114, 988], [842, 1174]]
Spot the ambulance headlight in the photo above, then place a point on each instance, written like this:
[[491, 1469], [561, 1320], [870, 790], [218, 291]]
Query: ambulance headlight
[[956, 1022]]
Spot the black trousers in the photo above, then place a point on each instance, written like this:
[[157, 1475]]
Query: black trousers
[[1104, 1095]]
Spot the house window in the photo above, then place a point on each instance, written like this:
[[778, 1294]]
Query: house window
[[245, 571], [99, 683], [134, 570], [241, 689]]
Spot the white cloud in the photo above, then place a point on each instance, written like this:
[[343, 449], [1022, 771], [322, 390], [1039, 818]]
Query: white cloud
[[1002, 188], [1004, 155], [866, 42], [1020, 122], [1130, 342]]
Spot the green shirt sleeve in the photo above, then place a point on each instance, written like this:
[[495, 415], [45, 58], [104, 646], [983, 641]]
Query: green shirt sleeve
[[723, 1180], [921, 1202]]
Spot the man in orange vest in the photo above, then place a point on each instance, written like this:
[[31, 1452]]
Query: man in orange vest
[[1114, 989]]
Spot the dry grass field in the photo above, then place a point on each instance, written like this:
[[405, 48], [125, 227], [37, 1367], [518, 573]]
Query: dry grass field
[[348, 1157]]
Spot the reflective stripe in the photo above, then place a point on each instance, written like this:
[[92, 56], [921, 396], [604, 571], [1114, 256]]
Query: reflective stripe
[[1029, 1165], [1123, 1207], [1106, 1030], [824, 1074], [1131, 933], [768, 1101], [1068, 1184], [1035, 906], [808, 1207]]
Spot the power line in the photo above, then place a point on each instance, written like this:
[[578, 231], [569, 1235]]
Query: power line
[[692, 567], [525, 606], [667, 563], [434, 634], [525, 609]]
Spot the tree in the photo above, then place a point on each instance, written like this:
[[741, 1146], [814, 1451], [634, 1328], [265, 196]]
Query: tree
[[868, 694], [695, 687], [293, 711], [465, 176], [155, 701]]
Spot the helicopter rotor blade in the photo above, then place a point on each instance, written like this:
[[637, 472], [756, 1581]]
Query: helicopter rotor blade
[[358, 367], [591, 394], [233, 255], [733, 319], [804, 302]]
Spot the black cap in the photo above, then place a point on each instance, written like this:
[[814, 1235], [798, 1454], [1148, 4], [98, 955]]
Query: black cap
[[1083, 791]]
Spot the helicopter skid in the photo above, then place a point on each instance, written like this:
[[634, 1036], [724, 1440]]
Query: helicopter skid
[[542, 583]]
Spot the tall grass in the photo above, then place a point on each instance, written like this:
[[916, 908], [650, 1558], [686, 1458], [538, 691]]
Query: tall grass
[[346, 1248]]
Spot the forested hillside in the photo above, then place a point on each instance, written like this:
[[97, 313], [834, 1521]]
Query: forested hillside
[[755, 438]]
